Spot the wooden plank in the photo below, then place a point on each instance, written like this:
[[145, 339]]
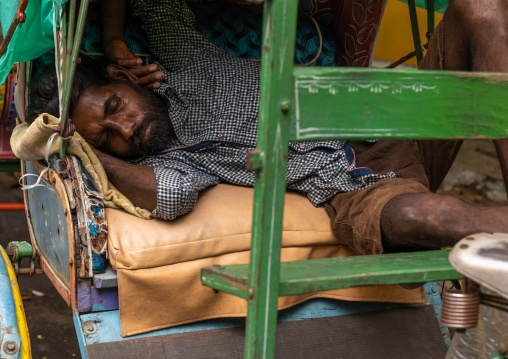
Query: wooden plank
[[400, 333], [345, 103], [336, 273], [270, 162]]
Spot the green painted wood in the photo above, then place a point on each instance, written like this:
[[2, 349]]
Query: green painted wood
[[431, 18], [359, 104], [279, 29], [336, 273], [416, 30], [72, 42], [14, 166]]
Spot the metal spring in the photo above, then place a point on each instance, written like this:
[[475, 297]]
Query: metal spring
[[460, 310]]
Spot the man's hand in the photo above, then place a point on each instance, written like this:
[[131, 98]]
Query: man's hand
[[116, 50], [137, 183]]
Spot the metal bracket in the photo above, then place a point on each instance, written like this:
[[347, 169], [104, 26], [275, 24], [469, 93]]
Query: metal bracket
[[17, 251], [255, 160]]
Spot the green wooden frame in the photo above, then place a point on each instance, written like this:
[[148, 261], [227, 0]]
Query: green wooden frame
[[343, 103]]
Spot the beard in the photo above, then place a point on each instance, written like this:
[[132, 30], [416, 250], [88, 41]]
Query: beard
[[161, 134], [156, 115]]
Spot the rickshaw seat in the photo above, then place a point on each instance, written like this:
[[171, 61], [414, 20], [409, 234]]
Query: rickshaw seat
[[148, 255]]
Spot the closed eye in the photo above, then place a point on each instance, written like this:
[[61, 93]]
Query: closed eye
[[111, 105]]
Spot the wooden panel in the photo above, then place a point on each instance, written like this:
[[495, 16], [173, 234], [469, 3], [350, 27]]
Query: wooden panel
[[342, 103], [411, 332], [336, 273]]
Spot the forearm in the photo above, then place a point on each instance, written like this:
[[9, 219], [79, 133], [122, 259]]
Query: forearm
[[113, 20], [137, 183], [170, 33]]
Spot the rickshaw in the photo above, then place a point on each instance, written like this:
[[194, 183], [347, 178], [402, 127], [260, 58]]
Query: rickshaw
[[71, 228]]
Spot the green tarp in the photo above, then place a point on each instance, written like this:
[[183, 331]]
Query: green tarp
[[32, 38]]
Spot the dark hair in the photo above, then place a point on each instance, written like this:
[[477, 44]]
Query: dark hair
[[43, 89]]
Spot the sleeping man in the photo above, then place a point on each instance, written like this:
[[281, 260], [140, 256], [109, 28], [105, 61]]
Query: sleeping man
[[166, 131]]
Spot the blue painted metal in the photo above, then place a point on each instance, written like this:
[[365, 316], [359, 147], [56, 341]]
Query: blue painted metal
[[80, 335], [108, 323], [434, 298], [48, 225], [8, 321], [11, 338]]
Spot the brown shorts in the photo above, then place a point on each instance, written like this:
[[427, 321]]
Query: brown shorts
[[419, 166]]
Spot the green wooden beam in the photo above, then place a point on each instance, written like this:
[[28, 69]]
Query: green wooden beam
[[416, 30], [338, 273], [10, 166], [359, 104], [431, 16], [279, 29]]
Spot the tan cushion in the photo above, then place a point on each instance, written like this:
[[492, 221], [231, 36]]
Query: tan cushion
[[158, 262], [220, 223]]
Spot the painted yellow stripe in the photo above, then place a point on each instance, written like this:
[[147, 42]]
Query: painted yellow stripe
[[26, 352]]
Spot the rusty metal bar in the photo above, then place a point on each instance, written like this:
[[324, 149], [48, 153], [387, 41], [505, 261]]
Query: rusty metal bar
[[19, 18], [12, 206]]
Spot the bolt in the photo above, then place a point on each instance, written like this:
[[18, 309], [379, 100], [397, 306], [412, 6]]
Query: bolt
[[285, 106], [464, 246], [434, 290], [89, 327], [10, 347], [502, 348], [250, 292]]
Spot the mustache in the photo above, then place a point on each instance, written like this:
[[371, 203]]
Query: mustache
[[139, 132], [160, 135]]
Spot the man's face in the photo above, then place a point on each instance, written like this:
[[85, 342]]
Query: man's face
[[115, 118]]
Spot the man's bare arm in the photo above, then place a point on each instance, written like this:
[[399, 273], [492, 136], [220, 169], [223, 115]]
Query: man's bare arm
[[115, 47], [136, 182]]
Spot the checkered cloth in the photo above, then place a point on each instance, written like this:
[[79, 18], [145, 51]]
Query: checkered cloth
[[212, 99]]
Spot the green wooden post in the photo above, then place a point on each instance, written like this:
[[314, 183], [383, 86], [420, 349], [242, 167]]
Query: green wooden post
[[416, 30], [430, 17], [270, 163], [72, 43]]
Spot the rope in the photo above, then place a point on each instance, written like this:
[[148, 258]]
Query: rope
[[19, 18], [320, 42], [320, 36], [405, 58], [38, 182]]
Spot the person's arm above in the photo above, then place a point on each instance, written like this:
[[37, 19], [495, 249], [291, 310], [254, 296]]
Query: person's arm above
[[169, 27], [115, 47]]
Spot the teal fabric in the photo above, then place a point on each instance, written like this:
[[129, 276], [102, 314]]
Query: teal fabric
[[32, 38], [439, 5], [236, 29]]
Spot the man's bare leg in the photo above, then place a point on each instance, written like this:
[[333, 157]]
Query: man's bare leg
[[473, 36], [432, 221]]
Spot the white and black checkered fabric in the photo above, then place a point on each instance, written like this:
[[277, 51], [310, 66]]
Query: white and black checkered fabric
[[213, 105]]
